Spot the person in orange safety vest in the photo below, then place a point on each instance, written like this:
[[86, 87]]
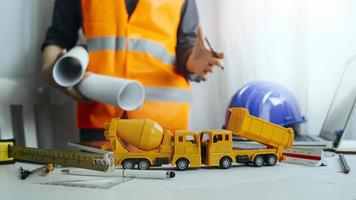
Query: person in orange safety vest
[[158, 43]]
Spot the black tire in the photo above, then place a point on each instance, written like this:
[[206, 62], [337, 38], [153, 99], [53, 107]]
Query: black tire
[[225, 162], [128, 164], [258, 161], [271, 160], [182, 164], [144, 164]]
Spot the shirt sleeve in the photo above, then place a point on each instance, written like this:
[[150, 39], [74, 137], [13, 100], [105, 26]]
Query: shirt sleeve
[[186, 35], [66, 21]]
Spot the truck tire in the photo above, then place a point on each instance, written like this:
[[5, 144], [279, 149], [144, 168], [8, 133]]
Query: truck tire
[[225, 162], [128, 164], [271, 160], [143, 164], [258, 161], [182, 164]]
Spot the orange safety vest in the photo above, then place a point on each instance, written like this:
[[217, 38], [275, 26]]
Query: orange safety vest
[[141, 48]]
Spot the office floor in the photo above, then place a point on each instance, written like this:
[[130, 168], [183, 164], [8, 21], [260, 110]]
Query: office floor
[[284, 181]]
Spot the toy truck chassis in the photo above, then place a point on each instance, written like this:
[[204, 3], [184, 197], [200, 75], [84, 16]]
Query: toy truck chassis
[[186, 149]]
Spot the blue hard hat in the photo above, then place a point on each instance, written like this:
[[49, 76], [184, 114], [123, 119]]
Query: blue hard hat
[[269, 101]]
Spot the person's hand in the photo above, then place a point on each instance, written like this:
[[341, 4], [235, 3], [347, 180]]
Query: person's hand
[[202, 60], [51, 54], [74, 92]]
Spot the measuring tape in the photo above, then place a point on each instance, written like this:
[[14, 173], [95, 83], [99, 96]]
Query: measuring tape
[[95, 161]]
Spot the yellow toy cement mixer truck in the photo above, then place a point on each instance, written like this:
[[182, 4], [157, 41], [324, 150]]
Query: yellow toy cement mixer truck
[[153, 146]]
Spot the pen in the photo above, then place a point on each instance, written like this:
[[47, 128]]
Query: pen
[[212, 51], [149, 174], [345, 167], [24, 173]]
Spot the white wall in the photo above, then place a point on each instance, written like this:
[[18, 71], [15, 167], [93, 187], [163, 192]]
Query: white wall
[[331, 41], [302, 44], [262, 40]]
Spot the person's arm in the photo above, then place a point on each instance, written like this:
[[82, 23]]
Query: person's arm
[[193, 58], [61, 36], [66, 21], [186, 36]]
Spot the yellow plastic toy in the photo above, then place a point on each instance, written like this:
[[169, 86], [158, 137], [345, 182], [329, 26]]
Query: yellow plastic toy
[[143, 143], [4, 151]]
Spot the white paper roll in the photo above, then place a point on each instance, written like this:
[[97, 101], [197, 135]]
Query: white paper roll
[[70, 69], [127, 94]]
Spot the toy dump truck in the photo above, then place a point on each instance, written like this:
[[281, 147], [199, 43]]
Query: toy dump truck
[[275, 138], [143, 143]]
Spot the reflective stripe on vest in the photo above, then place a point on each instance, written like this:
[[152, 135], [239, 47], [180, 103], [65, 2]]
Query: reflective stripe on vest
[[167, 94], [106, 43], [141, 45]]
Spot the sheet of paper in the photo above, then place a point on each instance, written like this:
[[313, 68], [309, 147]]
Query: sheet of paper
[[212, 178]]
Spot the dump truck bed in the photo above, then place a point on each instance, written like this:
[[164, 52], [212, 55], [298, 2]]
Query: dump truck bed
[[256, 129]]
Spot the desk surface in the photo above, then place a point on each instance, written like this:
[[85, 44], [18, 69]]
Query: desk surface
[[284, 181]]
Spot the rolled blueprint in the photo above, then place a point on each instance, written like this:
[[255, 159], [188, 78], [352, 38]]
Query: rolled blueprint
[[127, 94], [70, 68]]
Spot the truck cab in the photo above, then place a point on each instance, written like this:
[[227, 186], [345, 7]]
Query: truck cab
[[186, 149], [216, 148]]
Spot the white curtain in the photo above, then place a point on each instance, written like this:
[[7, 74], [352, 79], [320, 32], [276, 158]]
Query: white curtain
[[302, 44]]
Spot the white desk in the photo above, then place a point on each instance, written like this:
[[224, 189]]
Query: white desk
[[284, 181]]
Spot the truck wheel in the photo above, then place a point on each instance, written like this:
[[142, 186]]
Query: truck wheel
[[258, 161], [225, 163], [144, 164], [182, 164], [271, 160], [128, 164]]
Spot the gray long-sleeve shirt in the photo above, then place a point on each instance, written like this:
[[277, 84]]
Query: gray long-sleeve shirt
[[67, 20]]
